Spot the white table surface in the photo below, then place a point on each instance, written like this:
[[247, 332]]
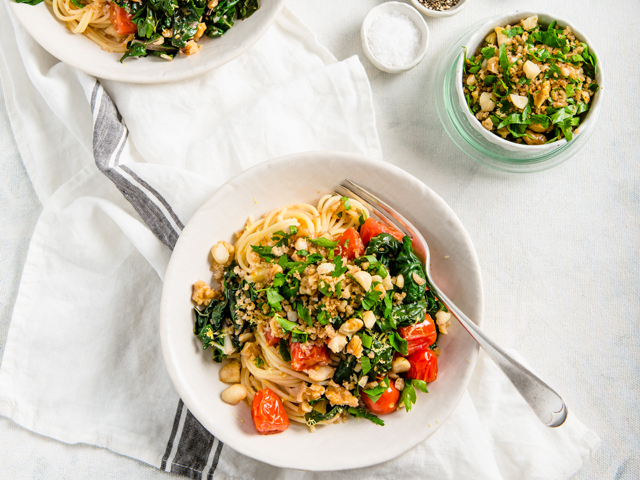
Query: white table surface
[[559, 249]]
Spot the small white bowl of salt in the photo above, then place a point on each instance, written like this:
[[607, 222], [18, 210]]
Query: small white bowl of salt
[[394, 37]]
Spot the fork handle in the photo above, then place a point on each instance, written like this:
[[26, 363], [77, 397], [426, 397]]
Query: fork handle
[[547, 404]]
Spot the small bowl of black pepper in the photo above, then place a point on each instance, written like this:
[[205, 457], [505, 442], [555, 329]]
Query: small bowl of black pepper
[[439, 8]]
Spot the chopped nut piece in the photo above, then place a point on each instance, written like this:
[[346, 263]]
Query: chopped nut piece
[[355, 346], [202, 293], [338, 395]]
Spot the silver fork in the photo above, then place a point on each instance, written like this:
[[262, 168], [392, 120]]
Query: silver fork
[[547, 404]]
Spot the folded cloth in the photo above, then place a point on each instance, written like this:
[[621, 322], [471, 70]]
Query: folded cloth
[[82, 362]]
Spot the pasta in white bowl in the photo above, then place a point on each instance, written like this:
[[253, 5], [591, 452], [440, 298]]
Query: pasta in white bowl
[[305, 178]]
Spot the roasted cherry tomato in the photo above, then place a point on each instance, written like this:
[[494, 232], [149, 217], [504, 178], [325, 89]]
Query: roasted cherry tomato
[[270, 339], [387, 403], [350, 244], [121, 20], [268, 413], [424, 365], [307, 355], [419, 335], [372, 227]]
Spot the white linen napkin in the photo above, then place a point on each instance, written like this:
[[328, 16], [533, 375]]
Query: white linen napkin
[[82, 362]]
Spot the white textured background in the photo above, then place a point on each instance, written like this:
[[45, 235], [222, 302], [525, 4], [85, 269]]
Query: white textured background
[[560, 250]]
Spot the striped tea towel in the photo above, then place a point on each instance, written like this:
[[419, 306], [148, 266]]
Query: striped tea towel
[[120, 169]]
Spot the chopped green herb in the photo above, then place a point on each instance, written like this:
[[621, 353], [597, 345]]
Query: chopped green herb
[[274, 299], [375, 393], [366, 364], [339, 268], [370, 299], [322, 242], [488, 52], [303, 313], [264, 252], [347, 204]]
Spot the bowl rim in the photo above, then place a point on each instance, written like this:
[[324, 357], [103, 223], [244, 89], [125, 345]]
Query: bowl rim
[[203, 414], [475, 40], [457, 8], [418, 21]]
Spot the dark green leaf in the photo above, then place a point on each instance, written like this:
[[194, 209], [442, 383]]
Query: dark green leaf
[[362, 412], [314, 416], [398, 343], [283, 347], [490, 79], [407, 264], [504, 61], [344, 370]]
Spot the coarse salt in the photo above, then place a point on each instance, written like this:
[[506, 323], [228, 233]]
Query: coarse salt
[[394, 39]]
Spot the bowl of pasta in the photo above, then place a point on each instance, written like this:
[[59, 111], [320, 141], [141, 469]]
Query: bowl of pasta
[[293, 310], [140, 41]]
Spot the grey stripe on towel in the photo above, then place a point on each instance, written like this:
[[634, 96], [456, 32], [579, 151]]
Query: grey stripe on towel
[[197, 452]]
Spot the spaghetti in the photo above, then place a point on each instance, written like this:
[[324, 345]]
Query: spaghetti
[[325, 308], [93, 20]]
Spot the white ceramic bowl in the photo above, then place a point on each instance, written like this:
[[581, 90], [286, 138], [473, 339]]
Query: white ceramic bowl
[[306, 177], [440, 13], [415, 17], [81, 53], [477, 39]]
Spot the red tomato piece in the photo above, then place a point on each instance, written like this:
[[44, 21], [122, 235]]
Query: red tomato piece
[[387, 403], [268, 413], [350, 244], [372, 227], [419, 335], [121, 20], [424, 365], [270, 339], [307, 355]]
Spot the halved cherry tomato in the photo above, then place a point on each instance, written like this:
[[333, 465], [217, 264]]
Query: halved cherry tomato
[[372, 227], [270, 339], [424, 365], [307, 355], [268, 413], [387, 403], [350, 244], [419, 335], [121, 20]]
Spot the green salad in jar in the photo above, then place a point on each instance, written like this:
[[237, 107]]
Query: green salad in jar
[[529, 83]]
